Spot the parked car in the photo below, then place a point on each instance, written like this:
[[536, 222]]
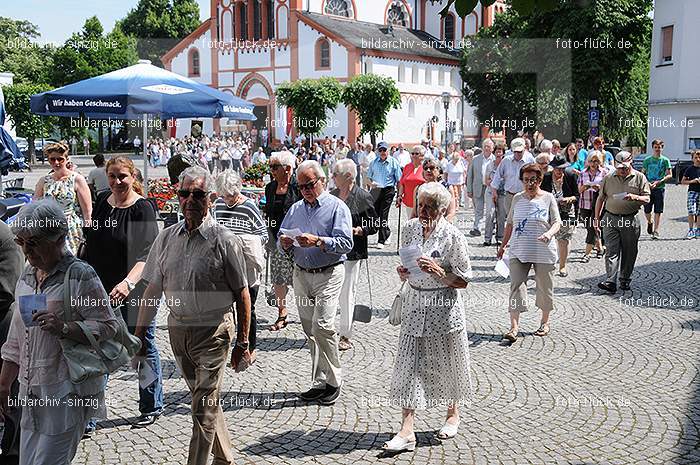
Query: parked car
[[38, 148]]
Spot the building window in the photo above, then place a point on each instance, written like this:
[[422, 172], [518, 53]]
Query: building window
[[436, 108], [368, 67], [449, 30], [244, 21], [428, 76], [257, 20], [339, 8], [411, 109], [402, 73], [414, 74], [193, 68], [397, 14], [271, 19], [666, 44], [441, 77], [323, 54]]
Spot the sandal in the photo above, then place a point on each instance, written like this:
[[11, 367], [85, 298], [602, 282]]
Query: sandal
[[543, 330], [399, 444], [276, 325], [448, 431], [586, 258], [600, 253], [511, 335]]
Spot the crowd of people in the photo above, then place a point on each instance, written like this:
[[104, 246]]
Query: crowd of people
[[98, 242]]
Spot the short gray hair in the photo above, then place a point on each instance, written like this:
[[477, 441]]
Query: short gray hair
[[284, 158], [41, 219], [344, 167], [436, 194], [312, 165], [543, 156], [488, 141], [196, 172], [228, 183], [546, 145], [418, 148]]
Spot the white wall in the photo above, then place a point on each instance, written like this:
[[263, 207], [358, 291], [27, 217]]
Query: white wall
[[179, 63], [675, 124], [307, 55]]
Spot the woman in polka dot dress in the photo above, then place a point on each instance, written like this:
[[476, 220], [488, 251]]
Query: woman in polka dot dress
[[432, 361]]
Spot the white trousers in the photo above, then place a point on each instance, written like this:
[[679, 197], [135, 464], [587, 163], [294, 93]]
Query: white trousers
[[347, 296]]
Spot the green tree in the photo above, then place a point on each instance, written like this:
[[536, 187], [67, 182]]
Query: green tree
[[523, 7], [158, 25], [21, 55], [371, 97], [310, 99], [26, 123], [510, 72]]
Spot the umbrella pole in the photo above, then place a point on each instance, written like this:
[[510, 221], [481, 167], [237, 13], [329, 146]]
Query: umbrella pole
[[144, 144]]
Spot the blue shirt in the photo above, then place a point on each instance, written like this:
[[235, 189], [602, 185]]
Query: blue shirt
[[330, 219], [385, 173]]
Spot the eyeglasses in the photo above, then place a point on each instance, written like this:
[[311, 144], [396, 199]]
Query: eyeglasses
[[197, 194], [429, 168], [416, 153], [274, 167], [308, 186], [30, 243], [532, 180], [382, 150]]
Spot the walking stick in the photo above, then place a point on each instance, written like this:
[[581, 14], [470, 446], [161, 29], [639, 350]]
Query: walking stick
[[398, 234]]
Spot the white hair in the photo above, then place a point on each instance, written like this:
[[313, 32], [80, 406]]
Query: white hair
[[41, 219], [284, 158], [228, 183], [546, 145], [312, 165], [436, 194], [468, 152], [543, 156], [345, 167], [486, 142], [196, 172]]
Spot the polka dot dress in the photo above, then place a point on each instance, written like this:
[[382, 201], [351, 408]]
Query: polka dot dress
[[432, 362]]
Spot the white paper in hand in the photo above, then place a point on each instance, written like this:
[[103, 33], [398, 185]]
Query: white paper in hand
[[146, 374], [409, 259], [503, 265], [292, 233]]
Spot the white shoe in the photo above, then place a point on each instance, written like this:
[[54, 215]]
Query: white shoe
[[379, 245], [399, 443], [448, 431]]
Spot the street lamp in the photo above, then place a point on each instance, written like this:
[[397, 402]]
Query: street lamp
[[446, 101]]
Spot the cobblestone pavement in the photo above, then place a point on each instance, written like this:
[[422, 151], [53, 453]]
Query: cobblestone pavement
[[616, 382]]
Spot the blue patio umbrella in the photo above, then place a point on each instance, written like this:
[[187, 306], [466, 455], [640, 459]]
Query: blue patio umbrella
[[137, 91]]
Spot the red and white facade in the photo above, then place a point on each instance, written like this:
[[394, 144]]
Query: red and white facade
[[249, 47]]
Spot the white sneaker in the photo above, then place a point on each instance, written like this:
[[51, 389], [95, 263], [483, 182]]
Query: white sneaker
[[379, 245]]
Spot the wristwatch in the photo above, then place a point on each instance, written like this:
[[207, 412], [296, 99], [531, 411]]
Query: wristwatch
[[130, 285], [319, 242]]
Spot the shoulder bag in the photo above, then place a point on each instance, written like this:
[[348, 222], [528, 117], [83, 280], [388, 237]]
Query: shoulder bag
[[99, 357], [395, 311]]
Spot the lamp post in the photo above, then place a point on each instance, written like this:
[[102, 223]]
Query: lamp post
[[446, 102]]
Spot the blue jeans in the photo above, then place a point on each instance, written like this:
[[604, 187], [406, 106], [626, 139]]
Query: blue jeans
[[151, 396]]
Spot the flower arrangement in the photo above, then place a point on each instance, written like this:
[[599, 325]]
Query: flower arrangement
[[161, 190], [253, 175]]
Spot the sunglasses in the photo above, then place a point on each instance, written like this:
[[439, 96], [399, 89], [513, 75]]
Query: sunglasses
[[382, 150], [308, 186], [56, 159], [530, 180], [429, 168], [197, 194]]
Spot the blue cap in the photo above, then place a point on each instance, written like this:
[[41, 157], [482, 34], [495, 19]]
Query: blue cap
[[382, 145]]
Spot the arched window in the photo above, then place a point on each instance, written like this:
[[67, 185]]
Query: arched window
[[323, 54], [449, 30], [414, 74], [397, 14], [193, 64], [441, 77], [270, 19], [339, 8], [244, 21], [411, 109], [257, 20], [402, 72], [428, 76]]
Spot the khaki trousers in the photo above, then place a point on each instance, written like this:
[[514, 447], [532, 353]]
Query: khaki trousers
[[544, 292], [201, 353], [317, 296]]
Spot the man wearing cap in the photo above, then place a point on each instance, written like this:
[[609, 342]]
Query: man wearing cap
[[508, 172], [620, 197], [384, 174]]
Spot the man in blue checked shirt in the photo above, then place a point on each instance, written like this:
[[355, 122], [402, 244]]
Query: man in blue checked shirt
[[384, 174], [319, 252]]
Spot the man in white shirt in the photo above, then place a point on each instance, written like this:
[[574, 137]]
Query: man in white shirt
[[402, 156], [509, 170], [236, 156], [137, 145]]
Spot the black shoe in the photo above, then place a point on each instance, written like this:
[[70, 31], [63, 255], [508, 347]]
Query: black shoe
[[487, 243], [145, 420], [625, 286], [313, 394], [607, 286], [89, 431], [330, 396], [475, 232], [650, 228]]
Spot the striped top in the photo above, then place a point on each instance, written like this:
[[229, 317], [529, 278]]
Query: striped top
[[244, 218], [530, 219], [586, 201]]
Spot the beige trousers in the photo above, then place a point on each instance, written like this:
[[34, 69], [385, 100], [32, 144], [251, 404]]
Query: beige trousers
[[201, 354], [317, 296], [544, 292]]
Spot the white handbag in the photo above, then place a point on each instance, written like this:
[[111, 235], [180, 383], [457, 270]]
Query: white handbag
[[396, 306]]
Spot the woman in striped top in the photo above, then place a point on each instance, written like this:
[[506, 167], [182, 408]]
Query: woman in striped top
[[532, 222], [240, 215]]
